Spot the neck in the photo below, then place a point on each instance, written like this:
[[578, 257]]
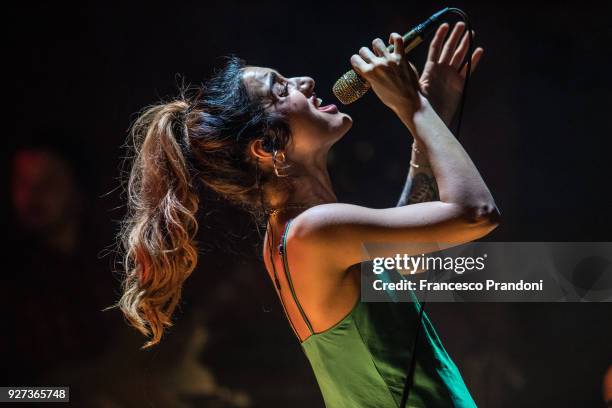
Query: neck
[[310, 185]]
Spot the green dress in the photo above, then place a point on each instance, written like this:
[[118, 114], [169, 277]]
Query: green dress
[[362, 361]]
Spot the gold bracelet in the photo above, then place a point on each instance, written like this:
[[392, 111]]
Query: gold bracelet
[[418, 166]]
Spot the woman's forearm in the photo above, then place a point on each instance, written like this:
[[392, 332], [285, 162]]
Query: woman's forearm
[[420, 185], [458, 180]]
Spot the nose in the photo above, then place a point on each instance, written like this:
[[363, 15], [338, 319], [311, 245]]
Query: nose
[[306, 85]]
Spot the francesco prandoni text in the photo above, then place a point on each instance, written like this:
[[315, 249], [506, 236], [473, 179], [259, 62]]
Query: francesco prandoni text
[[414, 264], [489, 284]]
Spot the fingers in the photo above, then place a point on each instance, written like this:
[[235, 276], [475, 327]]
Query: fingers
[[451, 43], [461, 50], [367, 59], [398, 44], [359, 65], [476, 55], [380, 49], [435, 47], [367, 55]]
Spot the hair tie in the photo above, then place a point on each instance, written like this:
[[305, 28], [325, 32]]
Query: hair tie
[[189, 109]]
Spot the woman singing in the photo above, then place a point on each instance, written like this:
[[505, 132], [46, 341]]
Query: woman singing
[[261, 140]]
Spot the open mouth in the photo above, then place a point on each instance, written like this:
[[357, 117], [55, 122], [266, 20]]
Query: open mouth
[[317, 102]]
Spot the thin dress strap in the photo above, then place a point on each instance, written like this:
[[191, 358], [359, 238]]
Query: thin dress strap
[[282, 248]]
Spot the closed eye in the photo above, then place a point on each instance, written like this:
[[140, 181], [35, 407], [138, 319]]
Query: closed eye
[[275, 81], [285, 90]]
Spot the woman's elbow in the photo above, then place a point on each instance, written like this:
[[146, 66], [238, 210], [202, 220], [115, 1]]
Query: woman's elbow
[[485, 216]]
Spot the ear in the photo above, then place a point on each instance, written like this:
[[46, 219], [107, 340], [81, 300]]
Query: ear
[[257, 149]]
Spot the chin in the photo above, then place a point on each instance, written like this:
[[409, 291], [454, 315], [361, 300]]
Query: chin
[[345, 116], [346, 122], [341, 126]]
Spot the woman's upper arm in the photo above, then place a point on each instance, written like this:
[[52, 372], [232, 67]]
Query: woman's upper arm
[[342, 232]]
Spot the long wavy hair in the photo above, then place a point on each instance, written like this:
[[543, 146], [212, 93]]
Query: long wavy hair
[[179, 147]]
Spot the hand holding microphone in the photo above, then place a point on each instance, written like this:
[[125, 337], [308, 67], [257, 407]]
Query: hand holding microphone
[[393, 79]]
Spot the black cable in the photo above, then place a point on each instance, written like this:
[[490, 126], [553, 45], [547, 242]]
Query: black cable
[[468, 62]]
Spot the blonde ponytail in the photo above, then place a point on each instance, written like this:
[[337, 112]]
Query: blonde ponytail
[[160, 225]]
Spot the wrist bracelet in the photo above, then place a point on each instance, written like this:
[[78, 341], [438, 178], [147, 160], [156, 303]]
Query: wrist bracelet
[[418, 166]]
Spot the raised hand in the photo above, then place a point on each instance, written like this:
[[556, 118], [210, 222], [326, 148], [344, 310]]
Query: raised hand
[[442, 79]]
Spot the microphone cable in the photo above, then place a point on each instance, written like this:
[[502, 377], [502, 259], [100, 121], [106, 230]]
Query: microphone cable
[[467, 61]]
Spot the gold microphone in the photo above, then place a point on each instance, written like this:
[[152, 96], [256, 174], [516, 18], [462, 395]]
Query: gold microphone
[[351, 86]]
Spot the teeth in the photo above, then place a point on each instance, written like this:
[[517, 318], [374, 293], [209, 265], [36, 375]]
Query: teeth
[[319, 102]]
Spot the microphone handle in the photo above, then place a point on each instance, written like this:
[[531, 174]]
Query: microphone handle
[[411, 40], [415, 36]]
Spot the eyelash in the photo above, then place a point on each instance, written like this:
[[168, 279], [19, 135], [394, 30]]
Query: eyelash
[[285, 91]]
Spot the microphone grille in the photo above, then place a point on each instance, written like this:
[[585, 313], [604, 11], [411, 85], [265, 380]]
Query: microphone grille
[[350, 87]]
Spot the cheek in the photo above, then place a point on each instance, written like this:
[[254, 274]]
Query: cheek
[[298, 106], [299, 113], [305, 119]]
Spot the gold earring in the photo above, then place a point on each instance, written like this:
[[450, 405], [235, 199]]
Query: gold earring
[[276, 158]]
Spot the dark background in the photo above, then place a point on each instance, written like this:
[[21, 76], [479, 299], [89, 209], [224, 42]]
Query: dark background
[[537, 125]]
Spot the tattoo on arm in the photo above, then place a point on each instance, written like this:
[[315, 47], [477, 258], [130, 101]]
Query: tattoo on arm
[[419, 188], [424, 188]]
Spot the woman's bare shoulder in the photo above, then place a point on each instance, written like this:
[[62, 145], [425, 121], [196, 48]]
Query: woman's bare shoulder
[[311, 237], [318, 231], [323, 217]]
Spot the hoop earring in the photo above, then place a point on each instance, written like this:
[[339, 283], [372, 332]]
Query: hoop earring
[[276, 159]]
